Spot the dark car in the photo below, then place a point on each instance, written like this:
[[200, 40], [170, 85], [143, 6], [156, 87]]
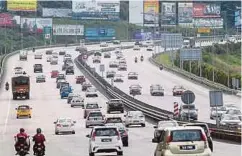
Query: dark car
[[62, 52], [110, 74], [38, 68], [115, 105], [48, 52], [70, 70], [60, 77], [85, 86]]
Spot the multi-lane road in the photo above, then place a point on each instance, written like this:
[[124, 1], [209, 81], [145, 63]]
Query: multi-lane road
[[47, 107]]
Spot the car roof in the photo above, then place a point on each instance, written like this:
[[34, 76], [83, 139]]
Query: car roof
[[184, 128]]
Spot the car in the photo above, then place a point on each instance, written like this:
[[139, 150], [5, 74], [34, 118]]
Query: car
[[80, 79], [116, 42], [38, 68], [96, 59], [122, 61], [178, 90], [81, 49], [150, 48], [119, 56], [18, 70], [133, 76], [136, 47], [40, 78], [64, 125], [90, 106], [156, 90], [67, 58], [70, 70], [37, 56], [113, 119], [91, 92], [118, 51], [54, 61], [107, 55], [161, 125], [110, 74], [62, 52], [217, 112], [134, 118], [233, 111], [60, 82], [63, 85], [97, 53], [86, 85], [71, 96], [182, 141], [24, 111], [135, 90], [147, 43], [48, 58], [48, 52], [60, 76], [113, 64], [55, 54], [206, 130], [77, 101], [114, 105], [54, 73], [118, 78], [188, 112], [65, 91], [94, 118], [231, 121], [103, 44], [105, 139]]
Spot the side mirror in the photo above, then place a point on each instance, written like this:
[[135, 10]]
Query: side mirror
[[88, 136], [154, 140], [155, 126]]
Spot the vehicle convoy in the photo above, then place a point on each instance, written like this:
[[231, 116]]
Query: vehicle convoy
[[114, 105], [23, 55], [20, 87], [38, 68]]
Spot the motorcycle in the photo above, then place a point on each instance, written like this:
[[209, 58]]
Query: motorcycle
[[23, 148], [7, 87], [39, 150], [135, 60]]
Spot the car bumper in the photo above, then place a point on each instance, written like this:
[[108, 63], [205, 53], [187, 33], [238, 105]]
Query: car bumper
[[23, 115], [78, 104], [91, 95], [106, 148], [206, 152], [157, 93], [63, 130], [138, 122]]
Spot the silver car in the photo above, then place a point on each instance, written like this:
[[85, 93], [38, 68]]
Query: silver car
[[156, 90], [134, 118], [217, 113], [40, 78], [95, 118], [91, 92], [90, 106], [232, 121], [77, 101]]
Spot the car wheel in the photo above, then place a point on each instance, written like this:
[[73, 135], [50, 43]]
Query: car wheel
[[73, 132], [126, 143], [143, 125], [120, 153]]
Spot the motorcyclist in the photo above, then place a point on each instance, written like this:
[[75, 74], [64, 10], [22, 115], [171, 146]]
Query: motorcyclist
[[6, 85], [141, 57], [21, 139], [39, 138]]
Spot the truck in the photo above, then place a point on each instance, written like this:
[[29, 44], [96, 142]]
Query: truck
[[23, 55], [20, 87]]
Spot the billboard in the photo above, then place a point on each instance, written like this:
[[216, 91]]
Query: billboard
[[7, 20], [96, 9], [185, 14], [32, 25], [237, 18], [54, 12], [204, 30], [68, 30], [151, 12], [135, 12], [168, 14], [99, 33], [206, 10], [143, 36], [22, 5], [208, 22], [2, 5]]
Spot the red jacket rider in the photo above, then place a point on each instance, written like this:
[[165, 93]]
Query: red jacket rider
[[21, 138], [39, 138]]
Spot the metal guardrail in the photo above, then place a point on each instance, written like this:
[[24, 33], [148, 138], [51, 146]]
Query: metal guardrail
[[152, 112]]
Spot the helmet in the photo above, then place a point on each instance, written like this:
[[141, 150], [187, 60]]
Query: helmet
[[21, 130], [38, 130]]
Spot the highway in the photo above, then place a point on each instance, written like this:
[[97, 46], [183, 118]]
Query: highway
[[47, 107]]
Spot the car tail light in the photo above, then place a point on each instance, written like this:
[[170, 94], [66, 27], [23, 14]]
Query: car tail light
[[168, 139], [58, 125], [93, 136], [204, 138]]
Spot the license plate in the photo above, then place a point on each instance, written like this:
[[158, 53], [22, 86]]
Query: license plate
[[65, 125], [136, 120], [106, 140], [187, 147]]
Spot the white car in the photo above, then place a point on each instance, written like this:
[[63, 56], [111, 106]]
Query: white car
[[182, 141], [18, 70], [48, 58], [136, 47], [105, 139], [232, 121], [134, 118], [103, 44], [217, 113], [113, 64], [122, 61], [38, 56], [91, 92], [150, 48], [54, 61], [133, 76], [64, 125], [118, 51], [160, 127], [77, 101], [122, 67], [40, 78]]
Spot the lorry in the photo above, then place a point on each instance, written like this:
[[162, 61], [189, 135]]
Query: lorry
[[23, 55], [20, 86]]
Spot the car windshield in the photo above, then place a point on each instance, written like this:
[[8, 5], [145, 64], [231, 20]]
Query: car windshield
[[167, 124], [114, 120], [92, 106], [233, 112], [105, 132], [191, 107], [64, 120], [186, 135], [95, 114]]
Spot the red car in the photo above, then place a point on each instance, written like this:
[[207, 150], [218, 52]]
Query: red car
[[80, 79], [54, 73], [178, 90]]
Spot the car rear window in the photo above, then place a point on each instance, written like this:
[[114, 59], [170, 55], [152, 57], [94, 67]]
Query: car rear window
[[106, 132], [186, 135], [95, 114], [114, 120], [92, 106], [64, 120]]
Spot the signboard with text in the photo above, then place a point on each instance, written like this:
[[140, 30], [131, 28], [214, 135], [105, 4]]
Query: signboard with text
[[21, 5], [151, 12], [37, 25], [99, 33], [168, 13], [68, 30], [185, 14], [206, 10]]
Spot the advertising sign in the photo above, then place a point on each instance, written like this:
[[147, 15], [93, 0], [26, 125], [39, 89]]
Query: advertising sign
[[7, 20], [2, 5], [151, 12], [54, 12], [237, 18], [68, 30], [99, 33], [190, 54], [135, 12], [37, 25], [208, 22], [168, 14], [185, 14], [96, 9], [203, 30], [143, 36], [206, 10], [22, 5]]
